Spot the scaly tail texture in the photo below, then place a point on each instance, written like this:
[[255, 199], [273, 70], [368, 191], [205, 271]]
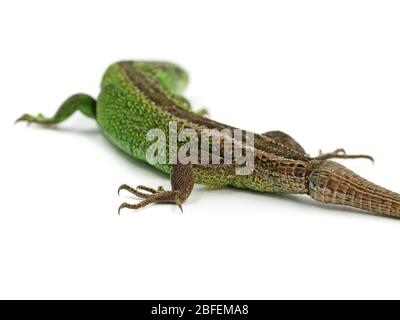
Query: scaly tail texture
[[86, 104], [333, 183]]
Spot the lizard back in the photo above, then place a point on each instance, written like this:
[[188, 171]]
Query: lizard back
[[138, 96]]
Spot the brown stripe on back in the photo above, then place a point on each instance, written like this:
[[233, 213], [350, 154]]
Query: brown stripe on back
[[154, 93]]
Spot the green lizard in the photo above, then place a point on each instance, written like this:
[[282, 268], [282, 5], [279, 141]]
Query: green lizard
[[137, 96]]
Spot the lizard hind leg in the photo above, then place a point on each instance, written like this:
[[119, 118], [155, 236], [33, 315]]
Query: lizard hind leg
[[288, 141], [182, 181], [341, 154], [285, 139]]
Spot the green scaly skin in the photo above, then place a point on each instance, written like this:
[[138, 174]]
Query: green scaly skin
[[138, 96], [125, 113]]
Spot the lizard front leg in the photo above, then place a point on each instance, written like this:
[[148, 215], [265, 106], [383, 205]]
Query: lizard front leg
[[182, 181], [80, 101]]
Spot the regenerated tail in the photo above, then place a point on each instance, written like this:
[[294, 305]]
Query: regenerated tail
[[333, 183]]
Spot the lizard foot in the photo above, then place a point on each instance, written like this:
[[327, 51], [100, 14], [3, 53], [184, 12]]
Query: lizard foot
[[151, 196], [40, 118], [182, 180], [341, 154]]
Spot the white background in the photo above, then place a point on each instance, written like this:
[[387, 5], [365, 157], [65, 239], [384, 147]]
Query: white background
[[327, 72]]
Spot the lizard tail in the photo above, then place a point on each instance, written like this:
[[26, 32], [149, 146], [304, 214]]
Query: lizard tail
[[333, 183]]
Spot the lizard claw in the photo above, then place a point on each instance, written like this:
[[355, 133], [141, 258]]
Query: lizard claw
[[122, 187], [121, 207]]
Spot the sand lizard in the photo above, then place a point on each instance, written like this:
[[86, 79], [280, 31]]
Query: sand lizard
[[137, 96]]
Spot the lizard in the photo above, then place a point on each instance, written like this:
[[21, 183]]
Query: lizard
[[137, 96]]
